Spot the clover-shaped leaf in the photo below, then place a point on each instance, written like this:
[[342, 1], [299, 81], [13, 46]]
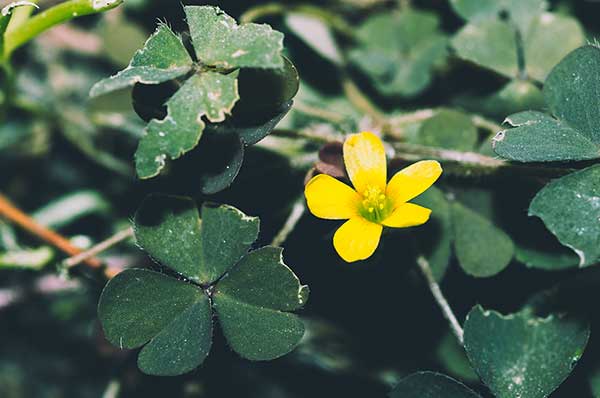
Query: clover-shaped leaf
[[570, 209], [206, 89], [171, 313], [399, 51], [572, 132], [431, 385], [492, 42], [511, 353]]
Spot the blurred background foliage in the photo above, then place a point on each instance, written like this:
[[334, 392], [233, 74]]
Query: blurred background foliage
[[67, 161]]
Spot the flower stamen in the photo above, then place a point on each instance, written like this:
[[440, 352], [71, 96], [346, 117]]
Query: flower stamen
[[375, 206]]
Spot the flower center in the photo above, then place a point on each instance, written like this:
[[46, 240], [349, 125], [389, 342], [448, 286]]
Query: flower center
[[375, 206]]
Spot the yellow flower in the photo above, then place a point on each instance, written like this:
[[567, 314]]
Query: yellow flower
[[373, 203]]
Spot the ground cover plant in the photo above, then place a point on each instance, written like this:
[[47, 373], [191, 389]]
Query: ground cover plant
[[299, 198]]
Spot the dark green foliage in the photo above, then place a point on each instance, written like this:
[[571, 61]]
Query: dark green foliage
[[511, 353], [251, 292]]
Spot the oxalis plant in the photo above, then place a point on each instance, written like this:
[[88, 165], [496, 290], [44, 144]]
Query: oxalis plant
[[431, 169]]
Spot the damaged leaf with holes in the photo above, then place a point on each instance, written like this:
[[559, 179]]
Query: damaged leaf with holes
[[207, 272], [201, 89]]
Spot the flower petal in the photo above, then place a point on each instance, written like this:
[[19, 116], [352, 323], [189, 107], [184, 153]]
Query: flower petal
[[413, 180], [407, 215], [331, 199], [357, 239], [364, 156]]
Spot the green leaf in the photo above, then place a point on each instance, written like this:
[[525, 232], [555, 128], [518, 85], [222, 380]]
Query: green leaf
[[537, 137], [571, 91], [253, 320], [182, 345], [275, 285], [431, 385], [545, 37], [490, 44], [550, 261], [227, 234], [520, 354], [399, 51], [570, 209], [163, 58], [453, 358], [482, 249], [217, 162], [251, 292], [514, 97], [540, 44], [573, 133], [521, 12], [449, 129], [264, 91], [219, 41], [208, 94], [138, 306], [170, 230], [251, 132], [477, 9]]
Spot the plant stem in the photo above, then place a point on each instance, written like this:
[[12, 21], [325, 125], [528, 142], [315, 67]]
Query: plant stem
[[53, 16], [319, 113], [436, 291], [449, 155], [12, 213], [99, 248], [397, 123], [472, 163], [362, 102], [290, 223], [307, 134]]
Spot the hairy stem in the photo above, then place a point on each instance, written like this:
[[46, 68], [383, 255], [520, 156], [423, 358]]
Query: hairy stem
[[398, 123], [290, 223], [472, 162], [436, 291], [462, 163], [99, 248], [362, 102], [53, 16], [18, 217]]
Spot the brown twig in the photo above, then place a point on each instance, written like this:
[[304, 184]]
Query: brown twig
[[99, 248], [18, 217]]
